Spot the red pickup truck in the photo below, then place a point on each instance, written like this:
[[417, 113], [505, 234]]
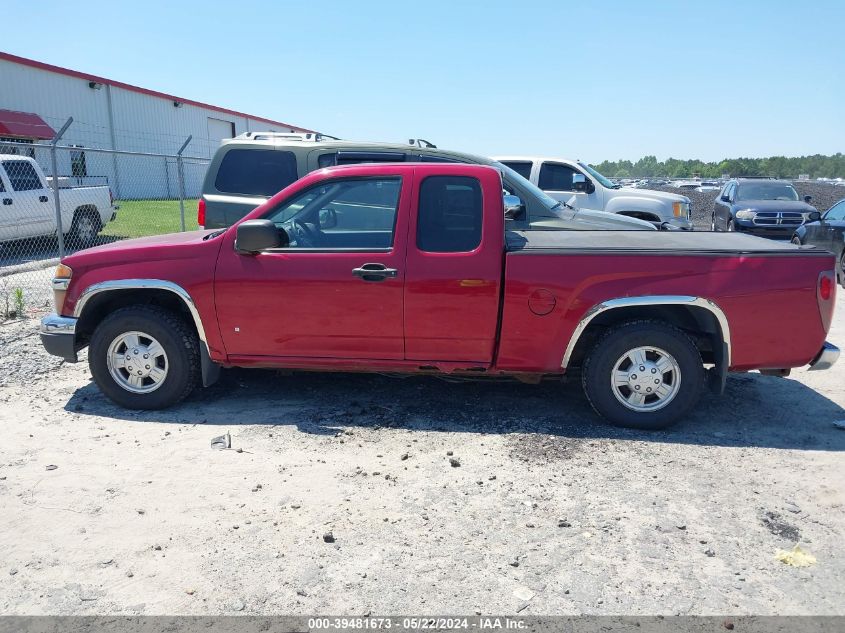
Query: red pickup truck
[[410, 268]]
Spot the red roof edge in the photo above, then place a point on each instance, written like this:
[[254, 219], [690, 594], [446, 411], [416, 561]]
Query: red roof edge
[[154, 93]]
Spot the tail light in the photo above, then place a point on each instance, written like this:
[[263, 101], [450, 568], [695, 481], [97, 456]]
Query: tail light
[[826, 296], [201, 213], [825, 287]]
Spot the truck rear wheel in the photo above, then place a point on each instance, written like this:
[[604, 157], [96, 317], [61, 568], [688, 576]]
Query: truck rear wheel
[[144, 357], [86, 225], [643, 375]]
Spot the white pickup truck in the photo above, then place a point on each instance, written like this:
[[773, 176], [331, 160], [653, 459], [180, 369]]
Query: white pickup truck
[[28, 209], [562, 178]]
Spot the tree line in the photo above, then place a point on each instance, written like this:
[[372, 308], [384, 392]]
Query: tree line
[[817, 166]]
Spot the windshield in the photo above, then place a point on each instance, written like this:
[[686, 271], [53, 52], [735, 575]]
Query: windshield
[[604, 181], [510, 174], [766, 191]]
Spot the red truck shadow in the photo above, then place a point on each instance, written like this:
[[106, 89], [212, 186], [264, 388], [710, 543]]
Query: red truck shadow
[[755, 410]]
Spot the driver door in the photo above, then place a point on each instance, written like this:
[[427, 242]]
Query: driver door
[[336, 290], [556, 180]]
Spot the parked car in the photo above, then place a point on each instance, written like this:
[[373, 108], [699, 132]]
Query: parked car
[[29, 209], [249, 168], [826, 231], [562, 178], [706, 186], [691, 185], [409, 268], [763, 207]]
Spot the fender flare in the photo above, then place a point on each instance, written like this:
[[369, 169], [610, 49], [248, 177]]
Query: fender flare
[[210, 369], [723, 359]]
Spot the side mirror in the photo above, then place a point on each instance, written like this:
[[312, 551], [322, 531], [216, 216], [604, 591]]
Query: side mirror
[[254, 236], [583, 184], [813, 216], [725, 199], [514, 207], [328, 218], [807, 199]]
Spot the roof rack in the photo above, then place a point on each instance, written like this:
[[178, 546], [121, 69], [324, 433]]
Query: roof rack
[[421, 142], [313, 137]]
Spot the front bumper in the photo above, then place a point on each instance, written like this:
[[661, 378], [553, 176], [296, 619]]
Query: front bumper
[[827, 357], [678, 224], [58, 336]]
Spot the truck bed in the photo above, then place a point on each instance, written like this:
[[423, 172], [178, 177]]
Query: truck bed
[[657, 242]]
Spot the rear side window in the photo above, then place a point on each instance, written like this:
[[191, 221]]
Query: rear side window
[[255, 172], [520, 167], [450, 214], [22, 175], [555, 177]]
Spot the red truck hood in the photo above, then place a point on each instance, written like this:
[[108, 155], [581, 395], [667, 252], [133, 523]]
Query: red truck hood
[[172, 246], [169, 239]]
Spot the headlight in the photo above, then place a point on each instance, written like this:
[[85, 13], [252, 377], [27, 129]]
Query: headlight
[[746, 214], [680, 209]]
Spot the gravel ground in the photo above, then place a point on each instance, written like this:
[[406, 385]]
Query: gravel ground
[[824, 197], [356, 494]]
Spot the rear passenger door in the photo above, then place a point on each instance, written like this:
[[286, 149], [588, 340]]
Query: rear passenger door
[[454, 267]]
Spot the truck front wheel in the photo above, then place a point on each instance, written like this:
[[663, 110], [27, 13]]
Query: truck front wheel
[[144, 357], [643, 375]]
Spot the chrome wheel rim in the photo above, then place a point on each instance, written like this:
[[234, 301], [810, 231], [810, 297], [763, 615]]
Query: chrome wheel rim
[[137, 362], [645, 379]]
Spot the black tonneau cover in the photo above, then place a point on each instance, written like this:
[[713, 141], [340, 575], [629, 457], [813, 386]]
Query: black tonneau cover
[[653, 242]]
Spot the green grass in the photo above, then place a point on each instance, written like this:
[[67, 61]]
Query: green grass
[[137, 218]]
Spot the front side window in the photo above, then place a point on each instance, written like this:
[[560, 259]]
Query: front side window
[[556, 177], [351, 213], [523, 168], [22, 175], [449, 217], [836, 212], [255, 172]]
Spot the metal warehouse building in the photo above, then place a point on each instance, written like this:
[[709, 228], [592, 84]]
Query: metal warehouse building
[[36, 99]]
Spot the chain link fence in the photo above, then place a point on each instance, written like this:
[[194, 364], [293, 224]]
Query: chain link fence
[[57, 199]]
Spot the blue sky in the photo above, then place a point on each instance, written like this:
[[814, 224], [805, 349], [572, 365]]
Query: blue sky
[[583, 80]]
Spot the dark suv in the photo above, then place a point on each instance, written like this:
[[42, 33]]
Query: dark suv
[[768, 208]]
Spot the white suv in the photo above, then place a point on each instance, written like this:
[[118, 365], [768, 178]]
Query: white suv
[[562, 178]]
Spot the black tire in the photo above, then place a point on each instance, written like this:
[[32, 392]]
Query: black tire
[[730, 227], [177, 338], [83, 232], [601, 363], [713, 222]]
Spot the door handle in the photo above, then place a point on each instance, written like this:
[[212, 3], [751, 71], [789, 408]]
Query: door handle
[[42, 198], [374, 272], [7, 201]]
